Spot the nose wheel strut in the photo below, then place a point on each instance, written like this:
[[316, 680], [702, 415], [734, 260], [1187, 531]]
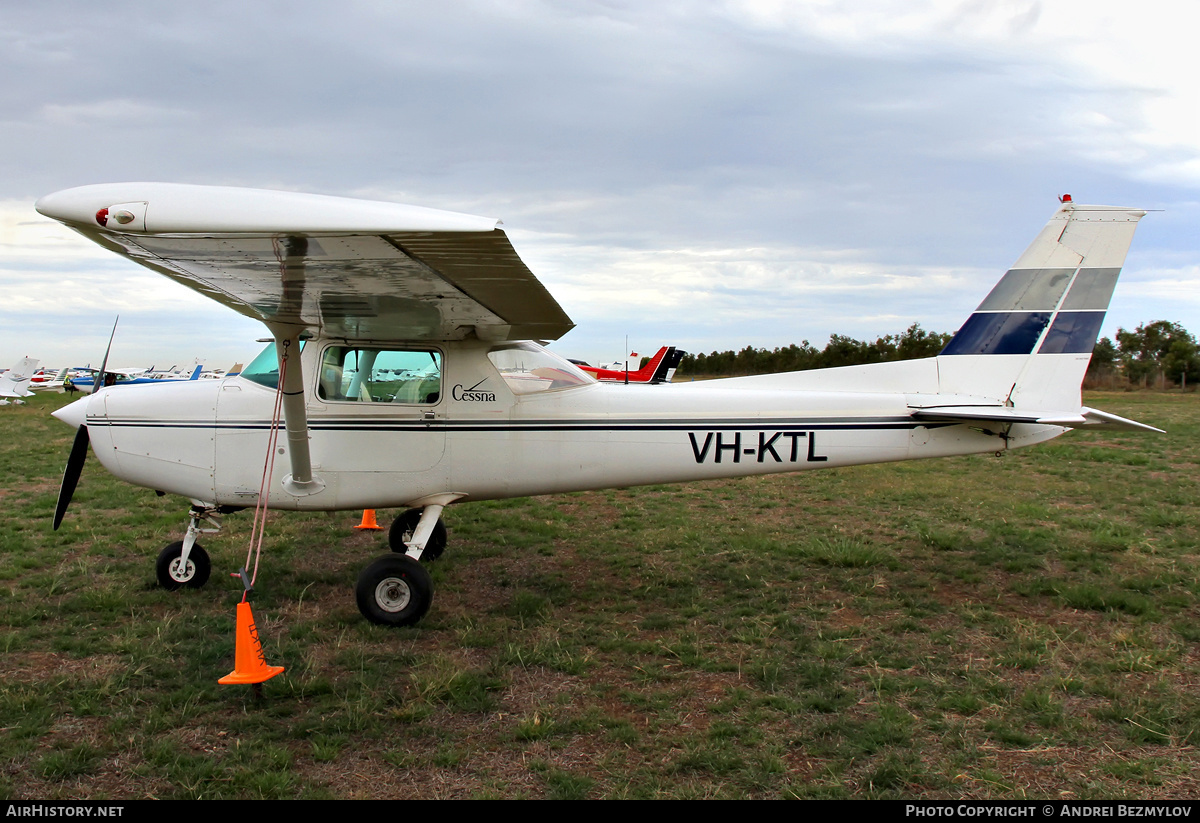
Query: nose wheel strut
[[184, 563]]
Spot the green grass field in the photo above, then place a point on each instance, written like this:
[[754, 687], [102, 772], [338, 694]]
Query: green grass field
[[980, 627]]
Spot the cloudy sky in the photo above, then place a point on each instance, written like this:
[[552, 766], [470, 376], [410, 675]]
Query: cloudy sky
[[709, 174]]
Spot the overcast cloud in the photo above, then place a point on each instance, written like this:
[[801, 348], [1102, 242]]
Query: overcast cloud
[[706, 174]]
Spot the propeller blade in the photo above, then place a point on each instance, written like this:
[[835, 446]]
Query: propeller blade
[[100, 374], [71, 474], [79, 448]]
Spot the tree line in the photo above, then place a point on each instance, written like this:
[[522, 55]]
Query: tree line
[[1152, 355]]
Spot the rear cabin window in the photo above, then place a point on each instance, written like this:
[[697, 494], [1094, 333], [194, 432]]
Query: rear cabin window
[[376, 375], [528, 369]]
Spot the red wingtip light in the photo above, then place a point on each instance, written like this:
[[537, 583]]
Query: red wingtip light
[[1066, 198], [102, 217]]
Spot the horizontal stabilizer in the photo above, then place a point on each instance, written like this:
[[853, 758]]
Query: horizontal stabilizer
[[1084, 418], [1001, 414], [1095, 417]]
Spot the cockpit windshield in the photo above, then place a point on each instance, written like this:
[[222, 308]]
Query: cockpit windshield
[[264, 369], [527, 368]]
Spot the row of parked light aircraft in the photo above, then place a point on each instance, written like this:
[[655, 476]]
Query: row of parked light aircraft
[[132, 377], [25, 378], [474, 408]]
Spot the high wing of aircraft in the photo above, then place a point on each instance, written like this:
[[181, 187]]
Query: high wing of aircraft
[[659, 369], [15, 383], [404, 374]]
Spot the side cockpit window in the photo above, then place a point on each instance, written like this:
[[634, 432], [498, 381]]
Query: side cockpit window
[[376, 375]]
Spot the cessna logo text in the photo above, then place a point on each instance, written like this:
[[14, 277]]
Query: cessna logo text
[[473, 394], [774, 447]]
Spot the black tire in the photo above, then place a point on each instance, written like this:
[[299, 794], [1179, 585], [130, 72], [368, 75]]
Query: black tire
[[395, 590], [170, 577], [402, 529]]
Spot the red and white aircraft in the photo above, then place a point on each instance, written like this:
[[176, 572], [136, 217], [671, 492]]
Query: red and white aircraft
[[418, 386], [52, 381], [658, 369]]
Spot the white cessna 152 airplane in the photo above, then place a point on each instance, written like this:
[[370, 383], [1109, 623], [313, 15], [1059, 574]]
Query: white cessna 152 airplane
[[403, 365]]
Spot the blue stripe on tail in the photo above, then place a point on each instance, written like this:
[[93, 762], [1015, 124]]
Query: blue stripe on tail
[[1013, 317]]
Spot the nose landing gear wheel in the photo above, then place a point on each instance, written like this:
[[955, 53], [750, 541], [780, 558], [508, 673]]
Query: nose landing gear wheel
[[174, 575], [395, 590]]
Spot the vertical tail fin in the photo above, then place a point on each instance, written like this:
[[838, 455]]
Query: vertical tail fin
[[666, 369], [647, 372], [15, 382], [1029, 342]]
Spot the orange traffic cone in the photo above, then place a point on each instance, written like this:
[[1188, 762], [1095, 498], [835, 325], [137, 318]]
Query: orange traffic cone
[[368, 521], [250, 664]]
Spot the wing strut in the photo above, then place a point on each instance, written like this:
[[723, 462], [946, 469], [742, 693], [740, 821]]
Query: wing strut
[[291, 252], [301, 482]]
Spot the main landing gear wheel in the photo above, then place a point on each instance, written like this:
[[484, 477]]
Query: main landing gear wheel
[[174, 575], [395, 590], [402, 529]]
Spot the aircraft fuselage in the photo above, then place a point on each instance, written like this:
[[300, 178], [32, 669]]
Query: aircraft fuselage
[[475, 439]]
